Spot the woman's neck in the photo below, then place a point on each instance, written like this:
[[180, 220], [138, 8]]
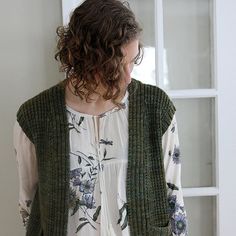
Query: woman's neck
[[97, 105]]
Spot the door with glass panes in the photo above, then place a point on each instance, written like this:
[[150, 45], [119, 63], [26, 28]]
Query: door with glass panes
[[179, 57]]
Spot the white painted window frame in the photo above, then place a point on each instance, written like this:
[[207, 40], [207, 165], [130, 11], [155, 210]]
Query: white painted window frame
[[223, 85], [190, 94]]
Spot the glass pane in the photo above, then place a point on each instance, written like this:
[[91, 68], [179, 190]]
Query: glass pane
[[145, 14], [195, 118], [201, 214], [187, 44]]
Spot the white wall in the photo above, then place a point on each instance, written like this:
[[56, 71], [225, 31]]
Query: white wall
[[27, 65]]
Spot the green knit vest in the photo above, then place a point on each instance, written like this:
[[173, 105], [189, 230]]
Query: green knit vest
[[43, 119]]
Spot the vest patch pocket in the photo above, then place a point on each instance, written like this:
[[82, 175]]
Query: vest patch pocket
[[162, 231]]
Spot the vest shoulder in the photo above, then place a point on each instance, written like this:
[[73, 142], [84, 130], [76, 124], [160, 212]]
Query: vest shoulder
[[155, 95], [39, 102], [33, 112]]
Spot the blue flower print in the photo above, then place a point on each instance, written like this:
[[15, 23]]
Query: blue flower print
[[178, 216], [75, 176], [86, 186], [88, 201], [176, 155], [178, 223], [173, 205], [76, 182], [75, 173]]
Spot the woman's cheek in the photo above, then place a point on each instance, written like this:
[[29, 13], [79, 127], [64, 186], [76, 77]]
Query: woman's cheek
[[131, 67], [127, 72]]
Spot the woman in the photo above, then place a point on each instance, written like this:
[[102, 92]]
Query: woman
[[98, 153]]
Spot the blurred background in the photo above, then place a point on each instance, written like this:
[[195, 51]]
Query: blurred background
[[190, 52]]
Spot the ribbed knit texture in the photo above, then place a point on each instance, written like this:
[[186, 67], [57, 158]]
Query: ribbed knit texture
[[44, 121]]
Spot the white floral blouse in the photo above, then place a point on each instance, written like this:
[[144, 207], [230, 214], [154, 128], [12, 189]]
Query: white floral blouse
[[98, 162]]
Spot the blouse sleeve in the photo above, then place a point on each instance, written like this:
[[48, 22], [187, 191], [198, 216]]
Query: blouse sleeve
[[27, 171], [172, 165]]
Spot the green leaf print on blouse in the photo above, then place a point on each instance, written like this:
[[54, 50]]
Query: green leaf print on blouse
[[123, 210], [106, 158], [96, 214], [76, 125], [123, 218], [172, 186]]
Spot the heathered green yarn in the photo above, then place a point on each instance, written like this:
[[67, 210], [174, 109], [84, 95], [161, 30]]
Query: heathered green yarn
[[44, 121]]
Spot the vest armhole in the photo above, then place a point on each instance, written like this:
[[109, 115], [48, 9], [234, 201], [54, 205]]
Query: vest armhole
[[167, 116], [22, 118]]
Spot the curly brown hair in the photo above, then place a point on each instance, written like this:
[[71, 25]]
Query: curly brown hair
[[91, 44]]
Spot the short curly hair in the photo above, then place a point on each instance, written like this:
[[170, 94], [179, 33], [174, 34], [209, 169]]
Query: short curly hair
[[92, 43]]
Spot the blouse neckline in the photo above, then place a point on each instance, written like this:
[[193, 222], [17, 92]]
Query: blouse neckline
[[123, 102]]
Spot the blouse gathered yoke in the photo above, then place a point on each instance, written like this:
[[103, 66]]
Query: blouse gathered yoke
[[97, 200]]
